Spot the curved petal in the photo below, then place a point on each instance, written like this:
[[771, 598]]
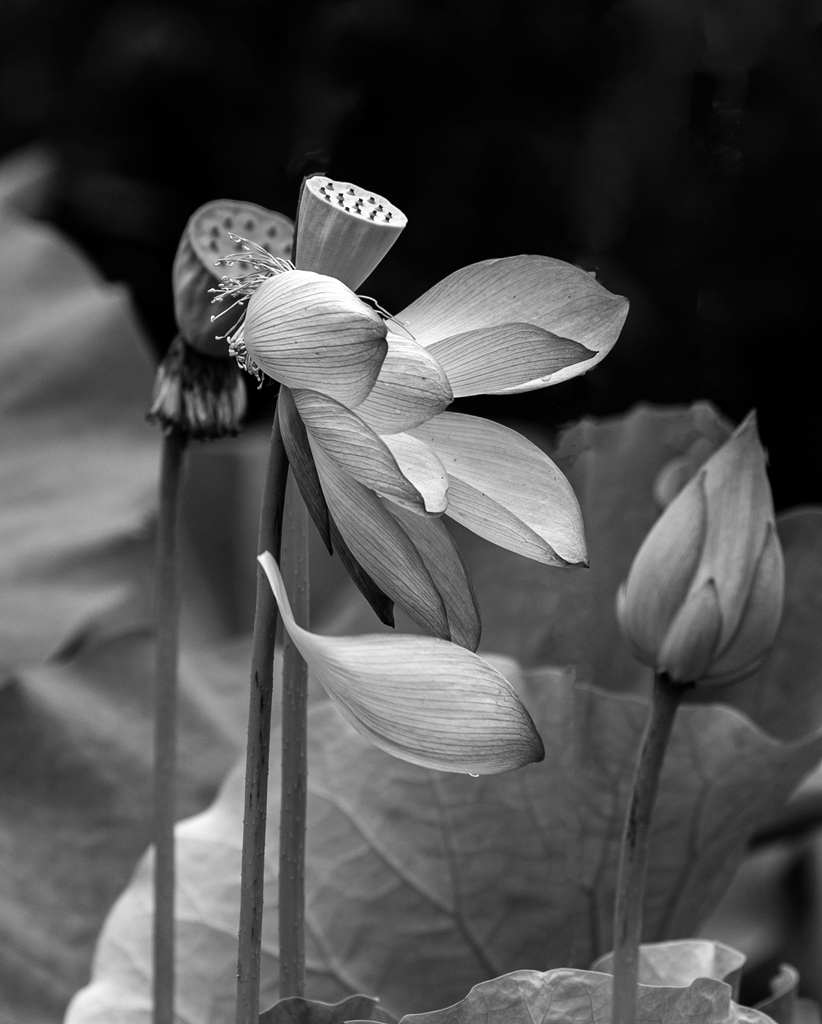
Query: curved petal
[[491, 359], [761, 618], [411, 388], [381, 603], [421, 466], [301, 462], [662, 572], [537, 290], [381, 546], [362, 452], [310, 331], [505, 489], [423, 700], [449, 572]]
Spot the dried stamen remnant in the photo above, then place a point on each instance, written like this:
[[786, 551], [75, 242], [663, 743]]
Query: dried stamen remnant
[[197, 395]]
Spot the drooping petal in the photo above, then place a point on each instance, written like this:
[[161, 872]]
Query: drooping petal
[[505, 489], [380, 545], [423, 700], [421, 466], [362, 452], [344, 230], [448, 570], [411, 388], [537, 290], [301, 461], [505, 355], [380, 602], [310, 331]]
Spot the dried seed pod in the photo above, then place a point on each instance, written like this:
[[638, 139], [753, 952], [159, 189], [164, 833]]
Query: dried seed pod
[[206, 239]]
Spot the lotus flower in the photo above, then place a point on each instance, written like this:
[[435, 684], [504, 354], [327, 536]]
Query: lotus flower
[[703, 598], [377, 458]]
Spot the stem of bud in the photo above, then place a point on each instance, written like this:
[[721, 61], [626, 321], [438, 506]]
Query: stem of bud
[[634, 853]]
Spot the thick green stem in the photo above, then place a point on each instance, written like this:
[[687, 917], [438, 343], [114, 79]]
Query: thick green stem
[[294, 761], [634, 853], [258, 743], [167, 614]]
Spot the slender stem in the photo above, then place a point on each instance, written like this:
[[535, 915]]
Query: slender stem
[[294, 761], [167, 612], [258, 743], [634, 853]]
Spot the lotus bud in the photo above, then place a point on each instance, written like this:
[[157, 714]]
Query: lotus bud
[[206, 239], [703, 598], [344, 231], [310, 331]]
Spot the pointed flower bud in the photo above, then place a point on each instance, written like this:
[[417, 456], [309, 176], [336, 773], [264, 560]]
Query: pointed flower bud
[[206, 239], [703, 598], [310, 331], [344, 230]]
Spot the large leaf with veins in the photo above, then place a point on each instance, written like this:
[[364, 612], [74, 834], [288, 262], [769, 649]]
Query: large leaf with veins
[[422, 884], [584, 997]]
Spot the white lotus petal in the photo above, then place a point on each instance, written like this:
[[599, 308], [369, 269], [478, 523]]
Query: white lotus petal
[[662, 572], [310, 331], [421, 466], [301, 463], [448, 570], [380, 545], [689, 645], [361, 451], [423, 700], [505, 489], [537, 290], [491, 359], [738, 519], [411, 388]]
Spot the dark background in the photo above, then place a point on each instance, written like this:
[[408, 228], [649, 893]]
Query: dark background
[[675, 146]]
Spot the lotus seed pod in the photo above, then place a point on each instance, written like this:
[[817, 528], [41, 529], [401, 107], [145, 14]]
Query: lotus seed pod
[[206, 239], [344, 231], [703, 599]]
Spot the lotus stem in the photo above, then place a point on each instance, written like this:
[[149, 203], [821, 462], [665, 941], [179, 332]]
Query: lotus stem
[[634, 852], [294, 761], [167, 615], [258, 743]]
